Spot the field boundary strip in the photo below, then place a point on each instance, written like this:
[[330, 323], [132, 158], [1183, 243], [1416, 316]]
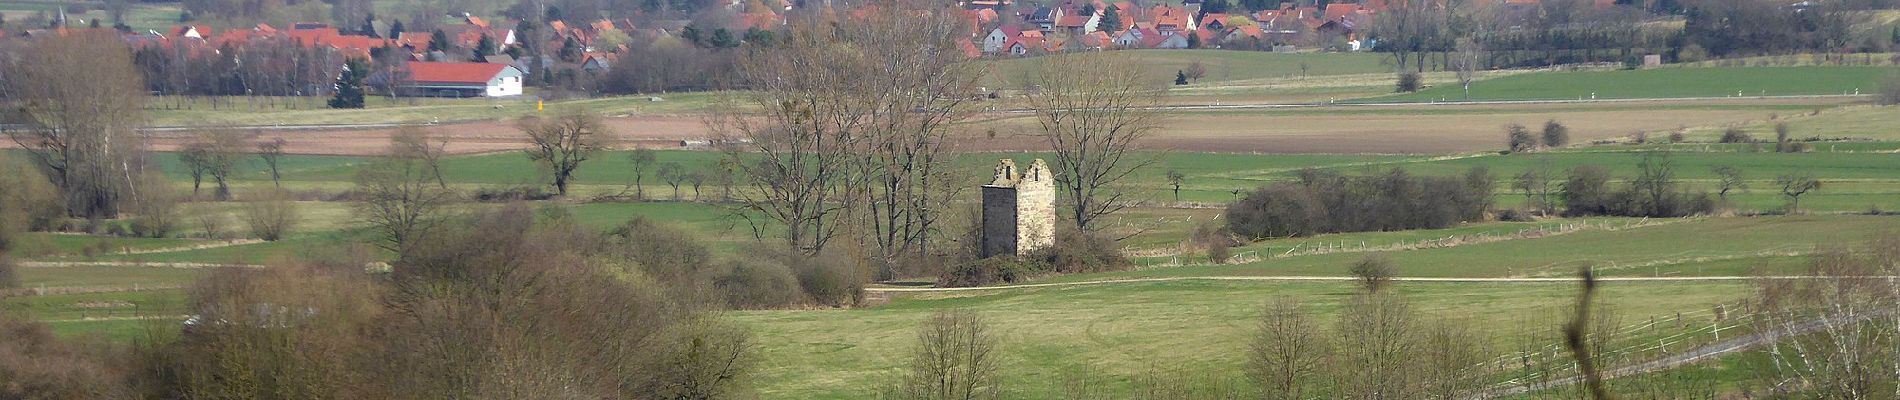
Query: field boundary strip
[[1343, 279]]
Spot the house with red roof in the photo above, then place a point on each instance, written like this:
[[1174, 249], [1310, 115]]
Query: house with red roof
[[461, 79]]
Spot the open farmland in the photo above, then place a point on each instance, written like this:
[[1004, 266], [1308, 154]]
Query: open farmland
[[1180, 330], [1662, 83]]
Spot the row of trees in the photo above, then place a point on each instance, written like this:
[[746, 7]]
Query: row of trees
[[1421, 36], [853, 142]]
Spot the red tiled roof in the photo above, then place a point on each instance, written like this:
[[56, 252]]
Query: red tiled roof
[[1336, 11], [1072, 21], [454, 72]]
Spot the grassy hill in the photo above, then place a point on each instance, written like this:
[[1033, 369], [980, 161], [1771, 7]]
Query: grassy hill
[[1660, 83]]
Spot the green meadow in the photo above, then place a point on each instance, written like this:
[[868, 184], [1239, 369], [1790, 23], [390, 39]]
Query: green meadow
[[1661, 83]]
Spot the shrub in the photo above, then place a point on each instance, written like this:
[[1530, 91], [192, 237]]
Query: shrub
[[1676, 137], [36, 365], [156, 212], [271, 216], [1587, 191], [672, 256], [989, 271], [30, 202], [9, 274], [1374, 272], [1890, 89], [955, 357], [828, 279], [510, 194], [751, 283], [1519, 139], [1279, 210], [1408, 82], [1735, 135], [1082, 251], [1654, 194], [1556, 134], [1515, 215], [212, 223], [1326, 202]]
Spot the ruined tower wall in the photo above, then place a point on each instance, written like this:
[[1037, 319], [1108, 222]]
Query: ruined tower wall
[[1035, 208], [999, 221]]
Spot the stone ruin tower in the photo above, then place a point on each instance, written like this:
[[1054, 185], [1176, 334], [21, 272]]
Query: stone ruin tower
[[1019, 210]]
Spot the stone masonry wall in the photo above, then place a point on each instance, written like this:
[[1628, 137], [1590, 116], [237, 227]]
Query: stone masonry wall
[[1035, 208]]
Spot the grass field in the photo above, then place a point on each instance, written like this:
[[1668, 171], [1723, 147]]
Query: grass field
[[1191, 329], [140, 16], [1662, 83], [1859, 175], [1701, 247], [1857, 122]]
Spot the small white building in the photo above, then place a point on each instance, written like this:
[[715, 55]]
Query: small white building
[[463, 79]]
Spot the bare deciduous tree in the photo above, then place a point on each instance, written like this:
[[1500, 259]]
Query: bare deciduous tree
[[1093, 109], [271, 153], [271, 215], [1287, 352], [674, 175], [1797, 184], [1832, 335], [955, 358], [78, 102], [640, 158], [1467, 58], [214, 153], [401, 198], [1375, 349], [414, 143], [853, 137], [563, 142], [1731, 180]]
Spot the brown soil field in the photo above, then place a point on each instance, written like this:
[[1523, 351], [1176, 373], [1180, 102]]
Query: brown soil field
[[462, 138], [1415, 129]]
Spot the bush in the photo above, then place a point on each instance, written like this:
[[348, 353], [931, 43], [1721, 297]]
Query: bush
[[30, 202], [271, 216], [672, 256], [1735, 135], [1556, 134], [1890, 90], [1588, 192], [989, 271], [828, 279], [511, 194], [753, 283], [9, 274], [1515, 215], [156, 212], [1374, 272], [1326, 202], [1676, 137], [1408, 82], [1081, 251], [36, 365], [1519, 139]]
